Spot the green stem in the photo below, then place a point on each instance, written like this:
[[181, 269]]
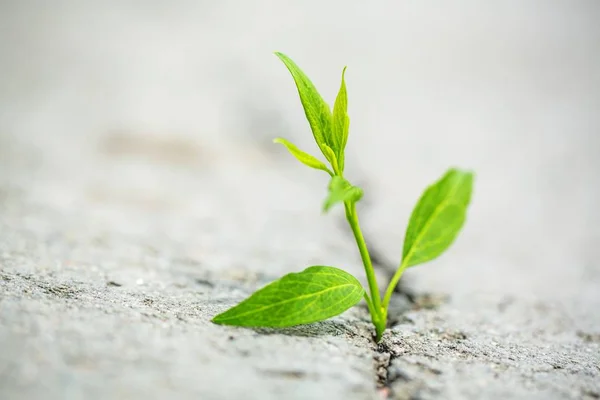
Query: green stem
[[390, 289], [369, 303], [378, 314]]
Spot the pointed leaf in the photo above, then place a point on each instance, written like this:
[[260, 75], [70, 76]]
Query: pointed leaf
[[342, 157], [315, 294], [331, 157], [340, 190], [316, 109], [341, 122], [437, 217], [303, 157]]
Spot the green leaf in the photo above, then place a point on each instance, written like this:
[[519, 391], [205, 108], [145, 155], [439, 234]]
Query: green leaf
[[340, 190], [315, 294], [303, 157], [341, 122], [316, 109], [437, 217], [342, 157], [331, 157]]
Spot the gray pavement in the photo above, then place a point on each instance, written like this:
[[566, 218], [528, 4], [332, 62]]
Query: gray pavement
[[140, 195]]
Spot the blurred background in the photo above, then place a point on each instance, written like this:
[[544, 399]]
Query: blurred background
[[155, 119]]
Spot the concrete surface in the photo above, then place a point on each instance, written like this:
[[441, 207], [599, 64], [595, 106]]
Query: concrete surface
[[140, 195]]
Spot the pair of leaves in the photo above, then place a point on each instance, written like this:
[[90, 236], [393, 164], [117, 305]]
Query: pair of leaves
[[315, 294], [329, 130], [320, 292]]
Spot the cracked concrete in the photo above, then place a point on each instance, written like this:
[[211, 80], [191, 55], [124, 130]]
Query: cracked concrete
[[434, 354], [140, 196]]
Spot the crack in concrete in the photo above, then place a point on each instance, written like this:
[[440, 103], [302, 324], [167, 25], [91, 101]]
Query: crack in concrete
[[395, 382], [384, 374]]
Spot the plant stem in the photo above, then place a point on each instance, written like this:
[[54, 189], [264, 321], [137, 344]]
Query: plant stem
[[390, 289], [378, 314], [369, 303]]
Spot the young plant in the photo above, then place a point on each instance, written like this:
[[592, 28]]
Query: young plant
[[321, 292]]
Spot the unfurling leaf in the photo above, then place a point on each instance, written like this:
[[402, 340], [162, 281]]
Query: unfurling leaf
[[315, 294], [331, 157], [303, 157], [340, 190], [437, 217], [316, 109], [341, 122]]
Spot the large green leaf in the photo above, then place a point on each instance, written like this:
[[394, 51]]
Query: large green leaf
[[341, 122], [316, 109], [315, 294], [437, 217], [340, 190], [303, 157]]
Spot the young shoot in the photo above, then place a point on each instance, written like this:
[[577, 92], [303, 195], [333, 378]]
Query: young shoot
[[321, 292]]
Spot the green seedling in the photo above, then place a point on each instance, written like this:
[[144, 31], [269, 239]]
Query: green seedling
[[321, 292]]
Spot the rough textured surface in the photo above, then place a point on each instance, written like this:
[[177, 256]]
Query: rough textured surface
[[140, 195]]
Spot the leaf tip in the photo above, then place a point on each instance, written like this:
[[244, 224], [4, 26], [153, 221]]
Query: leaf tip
[[281, 56], [220, 319], [463, 171]]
